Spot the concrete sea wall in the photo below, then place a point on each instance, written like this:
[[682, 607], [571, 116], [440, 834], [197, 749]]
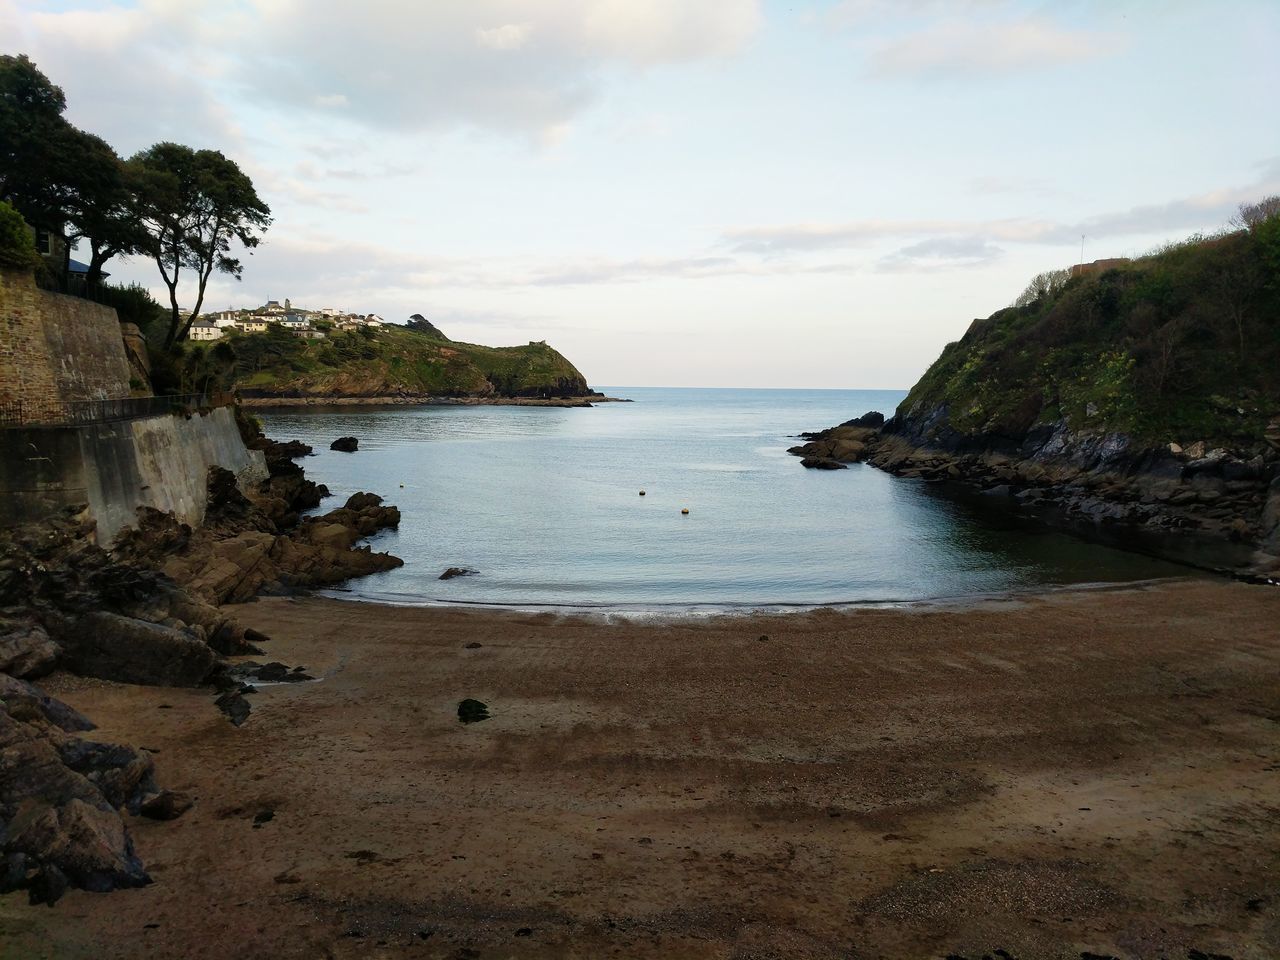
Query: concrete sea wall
[[115, 468]]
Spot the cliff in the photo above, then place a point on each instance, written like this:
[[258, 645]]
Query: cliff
[[384, 362], [1140, 401]]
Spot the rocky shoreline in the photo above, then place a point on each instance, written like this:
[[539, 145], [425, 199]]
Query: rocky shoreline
[[426, 401], [146, 610], [1216, 507]]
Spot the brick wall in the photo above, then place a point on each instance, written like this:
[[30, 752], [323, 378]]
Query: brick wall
[[55, 347]]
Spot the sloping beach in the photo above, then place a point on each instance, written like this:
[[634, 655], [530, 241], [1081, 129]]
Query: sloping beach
[[1084, 772]]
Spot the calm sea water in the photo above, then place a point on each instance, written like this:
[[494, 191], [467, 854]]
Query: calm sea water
[[544, 503]]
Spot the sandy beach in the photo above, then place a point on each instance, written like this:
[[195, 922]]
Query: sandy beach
[[1087, 773]]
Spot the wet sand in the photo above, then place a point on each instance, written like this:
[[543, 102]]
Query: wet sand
[[1085, 771]]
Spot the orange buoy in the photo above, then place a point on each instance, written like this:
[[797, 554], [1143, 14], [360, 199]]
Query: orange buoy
[[684, 510]]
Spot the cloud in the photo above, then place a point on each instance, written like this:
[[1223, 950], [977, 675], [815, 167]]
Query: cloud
[[524, 67], [941, 253], [509, 36], [967, 48], [1204, 211]]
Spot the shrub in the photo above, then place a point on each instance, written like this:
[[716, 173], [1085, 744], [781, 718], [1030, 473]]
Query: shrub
[[17, 247]]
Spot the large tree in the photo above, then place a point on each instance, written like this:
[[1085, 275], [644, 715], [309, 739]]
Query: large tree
[[32, 130], [61, 179], [193, 205], [103, 210]]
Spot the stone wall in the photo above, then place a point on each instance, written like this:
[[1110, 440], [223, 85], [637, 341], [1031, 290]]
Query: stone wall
[[115, 468], [55, 348]]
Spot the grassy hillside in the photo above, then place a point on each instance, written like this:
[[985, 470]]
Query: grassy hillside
[[1183, 344], [385, 361]]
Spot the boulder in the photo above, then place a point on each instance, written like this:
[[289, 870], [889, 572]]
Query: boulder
[[26, 650], [345, 445], [457, 572], [165, 805], [27, 702], [872, 419], [88, 844], [113, 647], [822, 463]]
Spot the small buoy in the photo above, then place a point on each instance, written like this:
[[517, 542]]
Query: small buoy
[[684, 510], [402, 486], [642, 493]]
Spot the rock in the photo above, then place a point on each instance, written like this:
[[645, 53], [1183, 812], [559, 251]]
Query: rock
[[26, 650], [457, 572], [90, 846], [873, 419], [235, 706], [274, 672], [345, 444], [122, 776], [20, 697], [822, 463], [165, 805], [472, 711], [362, 501], [1194, 451], [1175, 449], [47, 886], [112, 647]]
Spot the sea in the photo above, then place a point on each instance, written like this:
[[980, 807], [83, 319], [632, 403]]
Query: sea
[[584, 508]]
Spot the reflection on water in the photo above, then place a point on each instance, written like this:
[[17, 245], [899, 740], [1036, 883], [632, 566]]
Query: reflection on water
[[544, 503]]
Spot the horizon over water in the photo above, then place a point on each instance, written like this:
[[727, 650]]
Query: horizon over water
[[544, 503]]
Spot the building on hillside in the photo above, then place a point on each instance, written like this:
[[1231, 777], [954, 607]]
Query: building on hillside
[[374, 320], [293, 322], [272, 308], [223, 318], [204, 330], [307, 333], [1098, 266], [252, 325]]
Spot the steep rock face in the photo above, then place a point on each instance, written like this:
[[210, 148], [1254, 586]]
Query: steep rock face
[[1145, 395], [144, 612]]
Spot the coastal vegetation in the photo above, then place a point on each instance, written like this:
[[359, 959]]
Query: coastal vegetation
[[175, 205], [387, 361], [1184, 342]]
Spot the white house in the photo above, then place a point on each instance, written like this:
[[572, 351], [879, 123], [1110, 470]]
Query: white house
[[203, 330]]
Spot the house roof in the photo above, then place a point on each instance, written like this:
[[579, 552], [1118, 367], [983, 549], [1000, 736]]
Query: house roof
[[75, 266]]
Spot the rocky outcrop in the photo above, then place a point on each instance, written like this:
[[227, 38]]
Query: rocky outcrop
[[60, 800], [146, 611], [345, 445], [1093, 483], [420, 324]]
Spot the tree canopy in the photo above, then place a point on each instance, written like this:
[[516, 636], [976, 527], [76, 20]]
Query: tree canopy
[[192, 204], [185, 209]]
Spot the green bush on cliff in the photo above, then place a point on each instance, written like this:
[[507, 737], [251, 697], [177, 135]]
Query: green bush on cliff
[[388, 360], [17, 246], [1181, 344]]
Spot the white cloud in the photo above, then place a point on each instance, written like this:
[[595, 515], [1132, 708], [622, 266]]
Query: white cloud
[[509, 36], [968, 47], [168, 64], [1204, 211]]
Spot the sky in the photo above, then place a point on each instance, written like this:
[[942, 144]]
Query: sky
[[736, 193]]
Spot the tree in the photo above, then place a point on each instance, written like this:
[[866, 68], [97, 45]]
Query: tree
[[193, 204], [103, 210], [1250, 216], [1046, 284], [64, 181], [31, 131]]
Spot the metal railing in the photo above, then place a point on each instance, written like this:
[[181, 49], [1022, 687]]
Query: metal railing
[[71, 413]]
